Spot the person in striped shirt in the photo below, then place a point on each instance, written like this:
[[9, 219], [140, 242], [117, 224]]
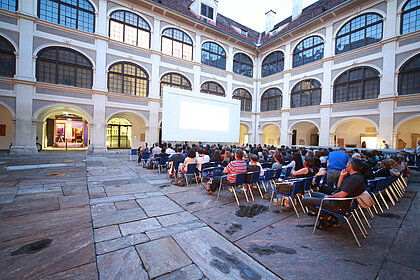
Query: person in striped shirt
[[234, 167]]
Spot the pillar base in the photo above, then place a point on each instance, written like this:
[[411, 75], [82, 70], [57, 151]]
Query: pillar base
[[24, 150], [99, 150]]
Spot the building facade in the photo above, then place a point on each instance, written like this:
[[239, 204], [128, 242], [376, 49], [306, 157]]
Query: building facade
[[88, 74]]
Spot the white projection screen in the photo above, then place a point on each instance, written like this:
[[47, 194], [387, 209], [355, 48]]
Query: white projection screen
[[192, 116]]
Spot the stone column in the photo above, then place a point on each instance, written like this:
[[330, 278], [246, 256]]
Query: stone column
[[386, 123], [324, 132], [284, 137]]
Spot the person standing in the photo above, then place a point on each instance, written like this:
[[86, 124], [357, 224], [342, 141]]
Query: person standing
[[337, 161], [418, 154]]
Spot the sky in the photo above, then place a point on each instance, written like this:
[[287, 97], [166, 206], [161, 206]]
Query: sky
[[251, 13]]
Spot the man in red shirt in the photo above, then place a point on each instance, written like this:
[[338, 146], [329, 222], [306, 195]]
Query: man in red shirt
[[234, 167]]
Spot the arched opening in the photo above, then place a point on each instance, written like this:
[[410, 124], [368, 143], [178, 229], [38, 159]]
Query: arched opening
[[62, 127], [6, 128], [125, 130], [408, 134], [355, 133], [305, 134], [271, 135], [243, 135]]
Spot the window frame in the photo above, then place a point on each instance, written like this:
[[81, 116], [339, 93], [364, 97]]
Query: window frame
[[238, 61], [131, 76], [365, 27], [305, 49], [268, 97], [184, 34], [15, 8], [207, 10], [11, 53], [349, 82], [275, 62], [245, 97], [407, 12], [404, 72], [213, 53], [208, 91], [60, 3], [124, 23], [58, 63], [171, 74], [301, 91]]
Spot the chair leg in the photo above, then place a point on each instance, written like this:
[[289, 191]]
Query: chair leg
[[358, 225], [377, 203], [383, 199], [352, 231], [361, 222], [234, 192], [371, 213], [246, 196], [250, 190], [317, 219], [301, 205], [271, 201], [294, 207], [218, 190], [391, 190], [259, 189], [265, 189], [390, 196], [186, 178], [364, 216]]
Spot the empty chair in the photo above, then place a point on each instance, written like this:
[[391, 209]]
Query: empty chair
[[297, 188], [133, 153]]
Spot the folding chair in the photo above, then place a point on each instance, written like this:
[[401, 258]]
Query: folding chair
[[204, 168], [277, 174], [346, 216], [287, 173], [266, 165], [133, 152], [297, 188], [255, 175], [162, 162], [144, 157], [268, 177], [191, 167], [239, 182]]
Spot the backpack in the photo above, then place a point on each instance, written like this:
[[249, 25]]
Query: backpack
[[180, 181]]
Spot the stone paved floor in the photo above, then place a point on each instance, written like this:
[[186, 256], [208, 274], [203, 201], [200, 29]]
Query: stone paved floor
[[102, 216]]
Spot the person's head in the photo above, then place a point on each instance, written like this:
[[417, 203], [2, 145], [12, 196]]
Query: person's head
[[191, 153], [163, 150], [354, 165], [278, 158], [310, 153], [388, 163], [201, 152], [309, 162], [216, 153], [239, 154], [156, 144], [178, 150], [342, 149], [254, 158], [227, 155], [356, 155], [304, 152], [169, 145]]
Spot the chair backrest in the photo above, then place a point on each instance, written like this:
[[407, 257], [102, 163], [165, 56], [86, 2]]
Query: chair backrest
[[288, 172], [205, 165], [155, 156], [176, 165], [277, 174], [240, 179], [163, 160], [145, 155], [307, 183], [217, 171], [268, 175], [382, 184], [133, 152], [191, 168], [298, 187], [255, 175], [266, 164], [317, 181], [217, 163]]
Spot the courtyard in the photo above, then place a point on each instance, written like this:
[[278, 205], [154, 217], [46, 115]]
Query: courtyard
[[71, 215]]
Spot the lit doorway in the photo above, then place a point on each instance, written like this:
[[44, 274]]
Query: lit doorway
[[118, 134], [67, 131]]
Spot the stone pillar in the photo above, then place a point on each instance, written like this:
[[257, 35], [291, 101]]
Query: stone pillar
[[101, 18], [324, 132], [197, 68], [386, 123], [152, 135], [98, 135], [284, 137]]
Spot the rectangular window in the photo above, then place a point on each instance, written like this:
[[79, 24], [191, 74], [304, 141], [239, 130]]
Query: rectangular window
[[2, 130], [206, 11], [244, 32]]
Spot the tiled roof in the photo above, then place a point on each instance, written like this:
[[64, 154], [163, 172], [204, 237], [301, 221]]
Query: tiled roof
[[234, 28]]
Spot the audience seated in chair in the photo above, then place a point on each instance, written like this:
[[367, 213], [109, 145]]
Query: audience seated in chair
[[175, 159]]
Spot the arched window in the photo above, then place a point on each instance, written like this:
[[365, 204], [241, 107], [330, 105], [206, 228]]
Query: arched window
[[360, 31], [58, 65], [212, 88], [242, 65], [177, 43], [309, 50], [356, 84], [271, 100], [10, 5], [78, 14], [7, 58], [129, 28], [410, 17], [245, 97], [174, 80], [306, 93], [128, 78], [273, 63], [409, 76], [213, 55]]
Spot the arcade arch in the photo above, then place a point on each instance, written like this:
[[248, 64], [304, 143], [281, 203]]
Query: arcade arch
[[125, 130], [6, 127], [304, 134], [357, 133], [271, 135], [243, 135], [408, 133]]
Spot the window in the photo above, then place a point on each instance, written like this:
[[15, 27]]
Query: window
[[242, 65], [128, 78], [7, 58], [212, 88], [309, 50], [177, 43], [271, 100], [244, 32], [410, 17], [306, 93], [273, 63], [174, 80], [129, 28], [213, 55], [361, 31], [245, 97], [409, 76], [78, 14], [58, 65], [356, 84], [10, 5], [206, 11]]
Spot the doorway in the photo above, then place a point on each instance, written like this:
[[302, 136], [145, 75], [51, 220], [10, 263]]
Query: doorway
[[118, 134]]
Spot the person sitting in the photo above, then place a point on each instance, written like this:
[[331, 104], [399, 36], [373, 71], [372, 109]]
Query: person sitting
[[350, 184], [189, 159], [387, 169], [296, 163], [277, 162], [307, 170], [226, 159], [202, 158], [175, 159], [253, 165], [156, 150], [169, 149], [216, 156], [234, 167]]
